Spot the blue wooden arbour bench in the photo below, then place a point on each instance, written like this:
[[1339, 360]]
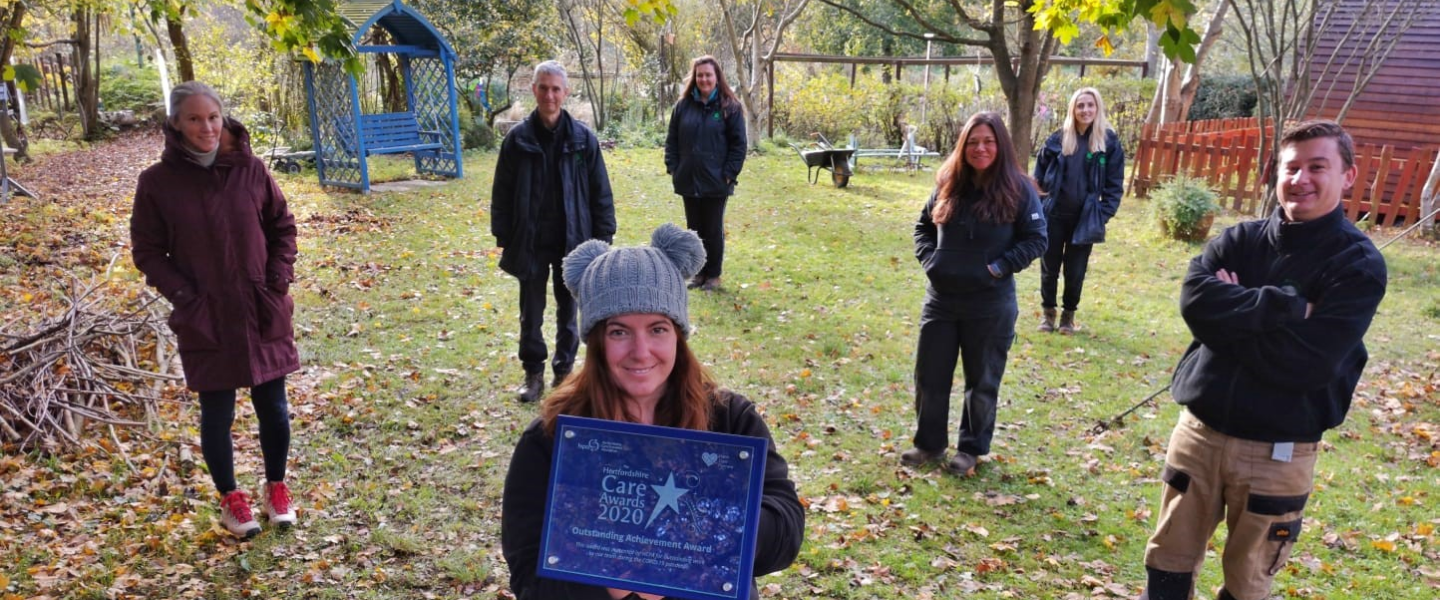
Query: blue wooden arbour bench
[[395, 133], [429, 127]]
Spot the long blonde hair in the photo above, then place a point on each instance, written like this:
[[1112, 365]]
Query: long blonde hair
[[1070, 138]]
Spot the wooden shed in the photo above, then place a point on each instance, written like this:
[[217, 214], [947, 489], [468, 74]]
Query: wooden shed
[[1401, 105]]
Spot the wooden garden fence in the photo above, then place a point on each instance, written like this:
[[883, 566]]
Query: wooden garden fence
[[1226, 153]]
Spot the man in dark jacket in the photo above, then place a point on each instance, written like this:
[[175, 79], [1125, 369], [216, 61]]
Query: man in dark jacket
[[551, 193], [1278, 308]]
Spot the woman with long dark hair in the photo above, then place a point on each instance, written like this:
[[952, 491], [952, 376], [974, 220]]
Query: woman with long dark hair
[[638, 368], [1081, 171], [704, 153], [981, 225]]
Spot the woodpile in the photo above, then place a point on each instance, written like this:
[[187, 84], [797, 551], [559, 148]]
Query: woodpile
[[104, 358]]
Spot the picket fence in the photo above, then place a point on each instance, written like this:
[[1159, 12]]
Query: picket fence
[[1226, 153]]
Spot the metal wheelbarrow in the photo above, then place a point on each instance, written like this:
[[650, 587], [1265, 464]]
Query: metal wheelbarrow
[[820, 155]]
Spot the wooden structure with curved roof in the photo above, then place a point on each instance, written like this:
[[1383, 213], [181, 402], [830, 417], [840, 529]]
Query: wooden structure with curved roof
[[429, 127]]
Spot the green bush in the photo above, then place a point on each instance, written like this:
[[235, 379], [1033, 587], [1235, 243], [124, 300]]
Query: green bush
[[1224, 97], [1184, 207], [474, 132], [124, 86], [825, 105]]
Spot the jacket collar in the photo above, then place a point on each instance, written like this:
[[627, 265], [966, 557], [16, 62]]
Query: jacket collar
[[566, 127], [1289, 236], [695, 94], [237, 153]]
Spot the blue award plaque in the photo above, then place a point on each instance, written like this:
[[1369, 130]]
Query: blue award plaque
[[655, 510]]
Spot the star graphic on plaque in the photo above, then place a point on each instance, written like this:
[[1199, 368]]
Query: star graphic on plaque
[[668, 495]]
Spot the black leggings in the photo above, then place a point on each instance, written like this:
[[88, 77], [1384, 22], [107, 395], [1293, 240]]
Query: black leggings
[[706, 217], [217, 414], [1061, 256]]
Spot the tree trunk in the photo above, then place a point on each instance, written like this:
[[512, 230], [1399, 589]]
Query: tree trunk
[[87, 81], [12, 21], [392, 87], [1428, 198], [752, 60], [1174, 96], [183, 62], [1021, 78], [578, 36]]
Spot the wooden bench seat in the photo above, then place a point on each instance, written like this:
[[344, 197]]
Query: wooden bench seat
[[392, 133]]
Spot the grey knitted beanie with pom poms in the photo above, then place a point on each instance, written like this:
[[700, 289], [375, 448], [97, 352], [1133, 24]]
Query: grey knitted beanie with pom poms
[[609, 282]]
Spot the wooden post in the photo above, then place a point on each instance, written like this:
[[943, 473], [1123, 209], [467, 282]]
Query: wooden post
[[1377, 188], [770, 127], [1397, 206]]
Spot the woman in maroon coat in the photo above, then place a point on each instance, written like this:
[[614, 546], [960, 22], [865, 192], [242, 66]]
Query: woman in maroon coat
[[210, 231]]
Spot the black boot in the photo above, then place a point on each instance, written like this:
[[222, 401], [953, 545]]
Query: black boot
[[1067, 322], [534, 386], [1047, 325], [560, 374]]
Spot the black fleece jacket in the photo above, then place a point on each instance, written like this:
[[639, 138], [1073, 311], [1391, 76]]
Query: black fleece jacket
[[705, 148], [527, 485], [1258, 369], [957, 255]]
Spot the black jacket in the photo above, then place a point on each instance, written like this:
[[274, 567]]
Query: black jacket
[[957, 255], [1258, 369], [1103, 182], [705, 148], [527, 485], [514, 199]]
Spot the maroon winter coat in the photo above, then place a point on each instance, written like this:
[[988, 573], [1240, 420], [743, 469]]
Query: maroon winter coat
[[219, 243]]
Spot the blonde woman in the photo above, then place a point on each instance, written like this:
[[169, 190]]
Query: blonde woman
[[1081, 173]]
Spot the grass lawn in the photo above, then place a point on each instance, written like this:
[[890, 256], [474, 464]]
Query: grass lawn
[[405, 413]]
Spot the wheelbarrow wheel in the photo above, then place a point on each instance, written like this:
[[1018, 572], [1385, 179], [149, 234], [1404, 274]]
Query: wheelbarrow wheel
[[840, 179]]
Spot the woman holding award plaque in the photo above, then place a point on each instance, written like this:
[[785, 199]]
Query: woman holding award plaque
[[638, 369]]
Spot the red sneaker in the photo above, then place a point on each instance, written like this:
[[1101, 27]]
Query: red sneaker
[[277, 504], [235, 515]]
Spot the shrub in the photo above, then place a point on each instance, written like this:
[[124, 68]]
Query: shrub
[[474, 132], [124, 86], [1224, 97], [1185, 207]]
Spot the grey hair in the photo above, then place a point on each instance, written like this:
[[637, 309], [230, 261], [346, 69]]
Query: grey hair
[[552, 67], [180, 93]]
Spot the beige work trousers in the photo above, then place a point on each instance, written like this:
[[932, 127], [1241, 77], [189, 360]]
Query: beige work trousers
[[1209, 476]]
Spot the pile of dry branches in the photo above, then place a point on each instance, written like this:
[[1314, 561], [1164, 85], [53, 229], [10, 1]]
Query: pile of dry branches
[[105, 358]]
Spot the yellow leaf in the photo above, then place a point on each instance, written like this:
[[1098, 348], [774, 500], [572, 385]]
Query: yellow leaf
[[1424, 529], [1383, 545], [4, 580], [310, 54], [1104, 45], [805, 373]]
